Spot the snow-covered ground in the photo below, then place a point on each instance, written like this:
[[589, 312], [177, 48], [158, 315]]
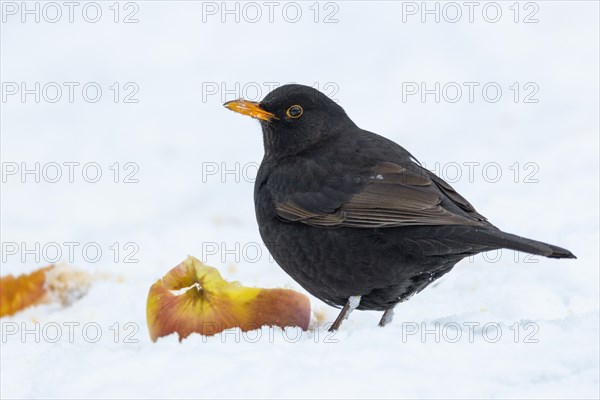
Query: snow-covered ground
[[498, 326]]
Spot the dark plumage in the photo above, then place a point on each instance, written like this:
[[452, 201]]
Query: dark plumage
[[346, 212]]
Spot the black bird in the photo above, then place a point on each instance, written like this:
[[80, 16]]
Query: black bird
[[352, 216]]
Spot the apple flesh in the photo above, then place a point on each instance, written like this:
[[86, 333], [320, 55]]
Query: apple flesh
[[193, 297], [52, 284]]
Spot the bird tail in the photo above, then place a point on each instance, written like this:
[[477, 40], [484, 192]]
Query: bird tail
[[499, 239]]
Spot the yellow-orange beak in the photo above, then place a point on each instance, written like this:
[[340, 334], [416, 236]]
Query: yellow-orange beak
[[250, 108]]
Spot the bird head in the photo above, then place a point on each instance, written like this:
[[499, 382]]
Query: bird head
[[294, 118]]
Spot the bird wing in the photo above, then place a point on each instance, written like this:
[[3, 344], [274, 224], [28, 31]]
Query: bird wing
[[388, 195]]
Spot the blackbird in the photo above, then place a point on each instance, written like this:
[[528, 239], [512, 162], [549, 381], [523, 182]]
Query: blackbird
[[352, 216]]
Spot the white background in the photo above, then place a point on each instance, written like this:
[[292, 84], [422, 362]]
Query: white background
[[174, 54]]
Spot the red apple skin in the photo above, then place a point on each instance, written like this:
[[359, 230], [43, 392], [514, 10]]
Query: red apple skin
[[210, 304]]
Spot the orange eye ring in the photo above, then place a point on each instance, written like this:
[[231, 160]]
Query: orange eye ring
[[294, 111]]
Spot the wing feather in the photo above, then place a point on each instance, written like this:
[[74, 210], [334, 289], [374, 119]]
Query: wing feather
[[389, 195]]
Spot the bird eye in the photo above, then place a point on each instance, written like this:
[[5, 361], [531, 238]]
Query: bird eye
[[294, 111]]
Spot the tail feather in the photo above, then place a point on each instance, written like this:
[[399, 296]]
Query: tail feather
[[501, 239]]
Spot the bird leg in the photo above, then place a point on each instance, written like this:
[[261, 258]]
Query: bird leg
[[387, 317], [350, 306]]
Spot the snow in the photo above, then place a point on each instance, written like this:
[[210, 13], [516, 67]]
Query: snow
[[529, 326], [354, 301]]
